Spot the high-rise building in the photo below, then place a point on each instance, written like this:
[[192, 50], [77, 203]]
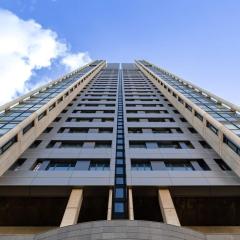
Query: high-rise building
[[120, 151]]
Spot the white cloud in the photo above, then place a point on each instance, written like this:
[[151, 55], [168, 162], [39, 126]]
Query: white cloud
[[25, 46], [72, 61]]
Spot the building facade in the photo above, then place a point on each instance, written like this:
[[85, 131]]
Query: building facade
[[120, 151]]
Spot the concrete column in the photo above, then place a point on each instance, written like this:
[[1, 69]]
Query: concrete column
[[109, 211], [167, 207], [130, 205], [72, 210]]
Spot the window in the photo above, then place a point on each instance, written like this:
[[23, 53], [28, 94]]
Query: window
[[43, 114], [180, 100], [203, 165], [37, 166], [107, 119], [176, 111], [65, 144], [57, 119], [166, 130], [60, 166], [119, 161], [205, 144], [151, 145], [232, 145], [120, 152], [119, 180], [48, 129], [192, 130], [183, 119], [179, 166], [119, 170], [28, 127], [52, 106], [134, 130], [8, 144], [99, 166], [119, 141], [60, 100], [17, 165], [119, 193], [161, 144], [168, 144], [137, 144], [35, 144], [169, 164], [105, 130], [161, 130], [222, 165], [188, 107], [118, 207], [79, 119], [141, 166], [106, 144], [212, 128], [72, 130], [161, 120], [199, 116], [133, 120]]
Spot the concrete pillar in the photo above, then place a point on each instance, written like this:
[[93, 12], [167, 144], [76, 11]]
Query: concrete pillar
[[109, 211], [72, 210], [130, 205], [167, 207]]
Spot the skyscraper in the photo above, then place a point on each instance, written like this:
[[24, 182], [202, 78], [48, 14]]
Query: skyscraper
[[120, 151]]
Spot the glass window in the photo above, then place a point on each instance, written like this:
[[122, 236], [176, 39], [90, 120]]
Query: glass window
[[28, 127], [42, 115], [60, 166], [99, 166], [192, 130], [17, 165], [35, 144], [205, 144], [119, 154], [103, 144], [8, 144], [119, 170], [179, 166], [232, 145], [119, 192], [119, 207], [168, 145], [141, 166], [137, 144], [71, 144], [222, 165], [48, 129], [199, 116], [37, 166]]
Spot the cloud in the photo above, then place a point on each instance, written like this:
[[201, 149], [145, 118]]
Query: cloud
[[72, 61], [25, 48]]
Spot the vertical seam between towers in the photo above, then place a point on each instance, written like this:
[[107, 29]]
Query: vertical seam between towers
[[120, 190]]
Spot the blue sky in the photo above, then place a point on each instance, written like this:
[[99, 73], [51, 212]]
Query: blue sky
[[198, 40]]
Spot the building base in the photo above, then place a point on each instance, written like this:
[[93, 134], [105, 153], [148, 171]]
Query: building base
[[122, 229]]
